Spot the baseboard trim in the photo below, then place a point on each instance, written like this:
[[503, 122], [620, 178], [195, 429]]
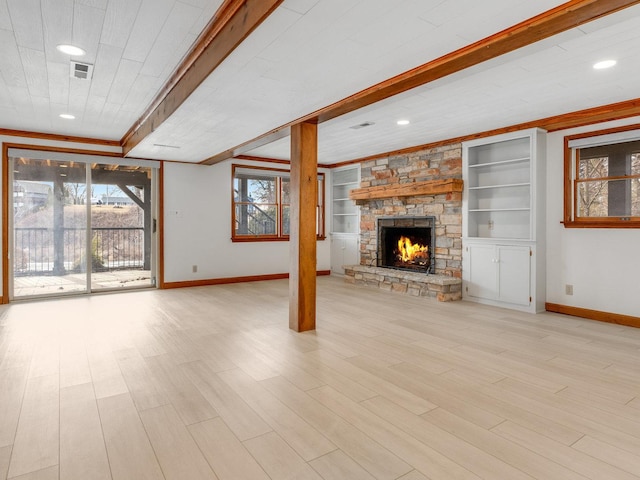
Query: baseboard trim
[[226, 280], [627, 320]]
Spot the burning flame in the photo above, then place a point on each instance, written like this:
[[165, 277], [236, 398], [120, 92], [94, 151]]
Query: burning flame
[[409, 252]]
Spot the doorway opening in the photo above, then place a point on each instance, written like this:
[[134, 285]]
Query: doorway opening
[[79, 227]]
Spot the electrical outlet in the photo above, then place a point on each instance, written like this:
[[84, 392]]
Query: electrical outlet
[[568, 289], [491, 224], [194, 268]]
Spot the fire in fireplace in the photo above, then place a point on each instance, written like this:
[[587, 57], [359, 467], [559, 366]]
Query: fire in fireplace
[[407, 243]]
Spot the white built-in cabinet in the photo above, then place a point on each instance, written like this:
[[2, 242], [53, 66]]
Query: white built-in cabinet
[[500, 273], [503, 212], [345, 218], [344, 251]]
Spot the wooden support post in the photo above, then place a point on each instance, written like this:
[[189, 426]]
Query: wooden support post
[[302, 240], [58, 226]]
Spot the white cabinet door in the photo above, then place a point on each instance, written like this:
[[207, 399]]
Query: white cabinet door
[[344, 251], [499, 272], [351, 251], [514, 274], [483, 274], [337, 254]]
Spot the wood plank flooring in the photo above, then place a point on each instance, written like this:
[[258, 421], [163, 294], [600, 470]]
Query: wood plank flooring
[[210, 383]]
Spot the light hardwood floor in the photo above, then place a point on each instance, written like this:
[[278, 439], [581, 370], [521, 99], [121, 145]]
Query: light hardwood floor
[[209, 382]]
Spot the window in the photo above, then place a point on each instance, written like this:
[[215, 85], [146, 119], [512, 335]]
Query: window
[[261, 204], [603, 184]]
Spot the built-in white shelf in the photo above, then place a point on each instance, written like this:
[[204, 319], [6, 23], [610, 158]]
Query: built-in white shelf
[[344, 211], [343, 184], [500, 162], [345, 218], [501, 210], [501, 186], [503, 220]]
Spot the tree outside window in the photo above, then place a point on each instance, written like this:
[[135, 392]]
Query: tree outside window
[[604, 189], [608, 180]]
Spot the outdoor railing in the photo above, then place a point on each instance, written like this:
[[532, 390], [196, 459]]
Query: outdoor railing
[[111, 249]]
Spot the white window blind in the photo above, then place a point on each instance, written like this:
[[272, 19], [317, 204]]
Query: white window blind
[[608, 139]]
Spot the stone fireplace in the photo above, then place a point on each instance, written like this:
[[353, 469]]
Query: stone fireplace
[[399, 189]]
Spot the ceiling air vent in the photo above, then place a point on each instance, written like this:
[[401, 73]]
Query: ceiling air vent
[[162, 145], [80, 70], [362, 125]]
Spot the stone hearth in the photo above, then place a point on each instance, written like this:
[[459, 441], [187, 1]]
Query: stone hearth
[[442, 287]]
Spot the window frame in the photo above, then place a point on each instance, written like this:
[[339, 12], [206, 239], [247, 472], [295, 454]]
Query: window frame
[[571, 182], [279, 236]]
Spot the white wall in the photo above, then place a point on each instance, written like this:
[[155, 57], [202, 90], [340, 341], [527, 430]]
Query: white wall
[[197, 229], [603, 264], [198, 223]]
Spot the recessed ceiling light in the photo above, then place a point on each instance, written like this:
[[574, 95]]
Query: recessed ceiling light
[[604, 64], [403, 122], [71, 50], [67, 116]]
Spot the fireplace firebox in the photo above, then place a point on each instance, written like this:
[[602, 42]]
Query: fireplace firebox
[[407, 243]]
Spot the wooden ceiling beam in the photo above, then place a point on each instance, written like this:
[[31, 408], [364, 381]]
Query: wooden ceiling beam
[[231, 25], [59, 138], [552, 22], [258, 142], [580, 118]]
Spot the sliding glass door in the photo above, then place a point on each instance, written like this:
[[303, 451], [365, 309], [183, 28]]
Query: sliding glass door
[[78, 227], [121, 227], [49, 232]]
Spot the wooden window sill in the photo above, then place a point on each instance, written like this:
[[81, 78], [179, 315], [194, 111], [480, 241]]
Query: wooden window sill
[[249, 238], [602, 224]]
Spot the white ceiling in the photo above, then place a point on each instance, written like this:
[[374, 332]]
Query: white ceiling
[[305, 56], [134, 45], [549, 78]]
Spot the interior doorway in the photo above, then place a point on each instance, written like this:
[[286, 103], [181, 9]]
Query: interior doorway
[[79, 226]]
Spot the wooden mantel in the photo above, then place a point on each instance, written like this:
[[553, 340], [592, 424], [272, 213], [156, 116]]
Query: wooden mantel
[[429, 187]]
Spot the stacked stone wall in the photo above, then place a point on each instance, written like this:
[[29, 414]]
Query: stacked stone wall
[[433, 164]]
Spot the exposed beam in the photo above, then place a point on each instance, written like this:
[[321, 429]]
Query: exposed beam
[[58, 137], [589, 116], [580, 118], [552, 22], [302, 240], [233, 22], [238, 151]]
